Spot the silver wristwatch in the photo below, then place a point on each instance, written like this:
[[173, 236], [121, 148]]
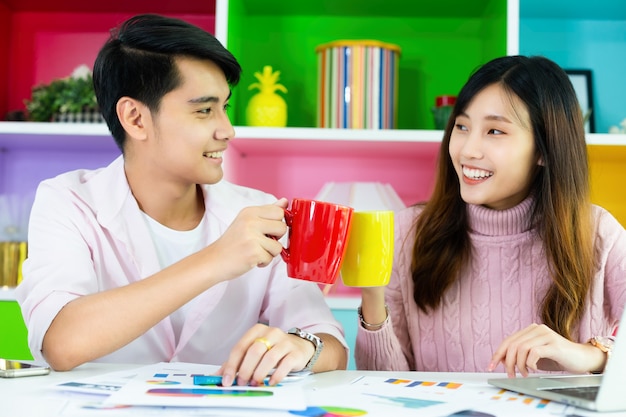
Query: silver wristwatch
[[317, 342]]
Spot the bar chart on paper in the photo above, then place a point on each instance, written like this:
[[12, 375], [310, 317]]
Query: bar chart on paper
[[378, 396], [172, 385]]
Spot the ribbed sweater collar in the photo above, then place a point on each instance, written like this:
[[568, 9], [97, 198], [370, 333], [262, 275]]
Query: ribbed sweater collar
[[489, 222]]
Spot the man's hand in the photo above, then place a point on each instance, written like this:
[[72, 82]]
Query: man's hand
[[262, 349], [249, 241]]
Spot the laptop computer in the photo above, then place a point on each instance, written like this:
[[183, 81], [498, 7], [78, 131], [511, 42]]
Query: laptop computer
[[594, 392]]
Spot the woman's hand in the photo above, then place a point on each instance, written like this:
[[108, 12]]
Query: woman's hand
[[538, 347], [261, 349]]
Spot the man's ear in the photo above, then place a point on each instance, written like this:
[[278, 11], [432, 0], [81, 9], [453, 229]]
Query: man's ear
[[133, 116]]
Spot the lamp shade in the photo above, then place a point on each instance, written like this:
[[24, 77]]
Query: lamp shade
[[362, 196]]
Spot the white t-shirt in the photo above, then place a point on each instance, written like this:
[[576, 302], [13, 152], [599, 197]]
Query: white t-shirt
[[172, 246]]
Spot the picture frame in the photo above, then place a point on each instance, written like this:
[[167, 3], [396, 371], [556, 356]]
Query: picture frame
[[582, 81]]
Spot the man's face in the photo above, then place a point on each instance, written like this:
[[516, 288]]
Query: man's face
[[191, 130]]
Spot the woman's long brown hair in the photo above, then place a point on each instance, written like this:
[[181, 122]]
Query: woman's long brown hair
[[561, 210]]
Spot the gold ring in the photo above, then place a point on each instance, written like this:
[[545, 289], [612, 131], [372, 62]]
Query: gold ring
[[267, 343]]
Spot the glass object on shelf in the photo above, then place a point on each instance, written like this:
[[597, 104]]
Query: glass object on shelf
[[357, 84], [12, 255], [14, 211], [441, 111], [266, 108]]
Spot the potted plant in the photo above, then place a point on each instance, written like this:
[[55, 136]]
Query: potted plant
[[70, 99]]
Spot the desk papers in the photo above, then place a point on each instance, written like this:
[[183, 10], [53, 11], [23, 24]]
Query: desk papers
[[367, 396], [171, 385]]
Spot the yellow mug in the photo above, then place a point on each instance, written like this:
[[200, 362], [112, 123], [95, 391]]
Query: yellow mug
[[369, 256]]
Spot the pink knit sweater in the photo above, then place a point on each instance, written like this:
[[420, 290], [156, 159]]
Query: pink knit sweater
[[499, 295]]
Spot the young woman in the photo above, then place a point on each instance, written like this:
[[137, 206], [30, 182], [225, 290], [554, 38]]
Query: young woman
[[508, 266]]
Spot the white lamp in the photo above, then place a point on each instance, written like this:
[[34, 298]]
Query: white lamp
[[362, 196]]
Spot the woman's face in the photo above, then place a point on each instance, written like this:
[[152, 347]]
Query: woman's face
[[493, 151]]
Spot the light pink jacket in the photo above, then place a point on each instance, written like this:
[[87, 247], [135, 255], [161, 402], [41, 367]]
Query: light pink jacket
[[87, 234], [498, 294]]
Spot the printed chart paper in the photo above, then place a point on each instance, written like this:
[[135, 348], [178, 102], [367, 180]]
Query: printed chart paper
[[105, 384], [367, 396], [171, 384], [381, 396]]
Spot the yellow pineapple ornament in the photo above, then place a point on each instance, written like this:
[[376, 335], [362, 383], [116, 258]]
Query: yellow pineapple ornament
[[266, 108]]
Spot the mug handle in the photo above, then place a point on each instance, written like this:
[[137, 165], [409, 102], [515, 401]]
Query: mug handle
[[285, 253]]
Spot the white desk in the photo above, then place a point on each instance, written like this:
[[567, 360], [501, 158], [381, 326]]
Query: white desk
[[30, 396]]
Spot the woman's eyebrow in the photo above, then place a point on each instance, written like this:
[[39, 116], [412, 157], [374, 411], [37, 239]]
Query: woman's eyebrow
[[498, 118], [492, 117]]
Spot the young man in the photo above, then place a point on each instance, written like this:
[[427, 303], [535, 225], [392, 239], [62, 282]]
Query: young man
[[155, 257]]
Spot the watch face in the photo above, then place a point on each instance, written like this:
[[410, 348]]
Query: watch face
[[297, 332], [305, 335]]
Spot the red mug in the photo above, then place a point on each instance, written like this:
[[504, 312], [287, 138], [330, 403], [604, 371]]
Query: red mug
[[317, 239]]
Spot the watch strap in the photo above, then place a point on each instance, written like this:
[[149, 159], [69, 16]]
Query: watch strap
[[317, 342], [604, 343]]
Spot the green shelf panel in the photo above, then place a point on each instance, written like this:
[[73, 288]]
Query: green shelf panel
[[13, 333], [441, 45]]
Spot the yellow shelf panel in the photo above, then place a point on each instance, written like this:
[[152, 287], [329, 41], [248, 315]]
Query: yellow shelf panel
[[608, 175]]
